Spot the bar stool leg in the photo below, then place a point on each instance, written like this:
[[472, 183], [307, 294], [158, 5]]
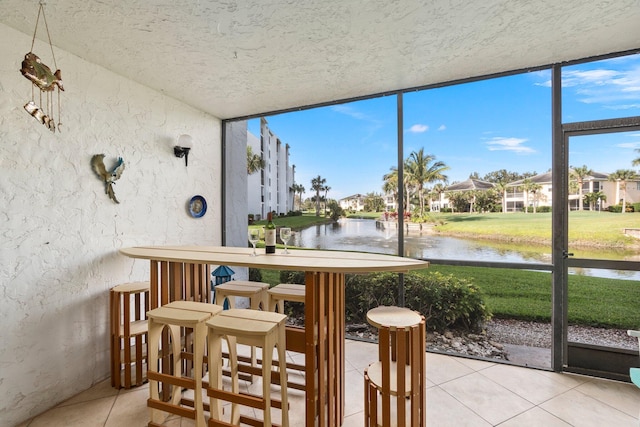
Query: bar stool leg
[[282, 359], [155, 334]]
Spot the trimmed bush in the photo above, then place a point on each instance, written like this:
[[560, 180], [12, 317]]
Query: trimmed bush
[[447, 302]]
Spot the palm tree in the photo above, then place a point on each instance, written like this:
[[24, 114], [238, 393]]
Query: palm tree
[[530, 187], [317, 185], [437, 191], [254, 161], [298, 188], [420, 171], [390, 184], [620, 177], [326, 190], [600, 197], [501, 188], [579, 174], [636, 162]]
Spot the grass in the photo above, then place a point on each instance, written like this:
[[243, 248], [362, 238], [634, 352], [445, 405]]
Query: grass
[[526, 295], [586, 228], [294, 222]]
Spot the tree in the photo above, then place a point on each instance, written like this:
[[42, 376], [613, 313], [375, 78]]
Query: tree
[[298, 188], [636, 161], [460, 200], [486, 201], [620, 177], [373, 202], [335, 211], [593, 198], [529, 187], [422, 169], [326, 190], [254, 161], [390, 184], [579, 174], [317, 185]]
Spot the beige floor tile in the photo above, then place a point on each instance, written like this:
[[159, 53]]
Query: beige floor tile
[[622, 396], [486, 398], [443, 410], [441, 369], [84, 414], [354, 393], [360, 354], [535, 417], [130, 409], [578, 409], [98, 391], [526, 382], [475, 364]]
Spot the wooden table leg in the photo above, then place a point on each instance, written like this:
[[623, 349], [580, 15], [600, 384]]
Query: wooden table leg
[[324, 351]]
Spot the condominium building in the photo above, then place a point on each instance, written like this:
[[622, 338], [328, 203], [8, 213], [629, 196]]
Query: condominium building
[[270, 189]]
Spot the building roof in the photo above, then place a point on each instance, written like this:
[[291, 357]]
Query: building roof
[[545, 178], [470, 184]]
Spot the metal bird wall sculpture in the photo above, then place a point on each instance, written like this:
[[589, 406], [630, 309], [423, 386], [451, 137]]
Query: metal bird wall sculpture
[[109, 178]]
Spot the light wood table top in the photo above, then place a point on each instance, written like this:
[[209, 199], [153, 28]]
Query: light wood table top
[[305, 260]]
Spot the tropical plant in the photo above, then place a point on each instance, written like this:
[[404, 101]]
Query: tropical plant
[[579, 174], [620, 177], [254, 161], [326, 190], [298, 188], [422, 169], [636, 161], [373, 202], [317, 185]]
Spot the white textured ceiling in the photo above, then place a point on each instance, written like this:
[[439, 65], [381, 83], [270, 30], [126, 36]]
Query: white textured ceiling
[[236, 58]]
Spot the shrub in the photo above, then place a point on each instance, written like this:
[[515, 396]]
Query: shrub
[[447, 302], [255, 275]]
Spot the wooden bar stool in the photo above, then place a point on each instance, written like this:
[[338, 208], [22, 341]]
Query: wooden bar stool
[[255, 291], [258, 299], [174, 316], [128, 304], [256, 328], [399, 374], [278, 295], [285, 292]]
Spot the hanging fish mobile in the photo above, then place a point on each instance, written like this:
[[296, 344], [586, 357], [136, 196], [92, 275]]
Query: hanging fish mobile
[[109, 177], [41, 76]]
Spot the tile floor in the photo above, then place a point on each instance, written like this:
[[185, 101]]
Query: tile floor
[[460, 392]]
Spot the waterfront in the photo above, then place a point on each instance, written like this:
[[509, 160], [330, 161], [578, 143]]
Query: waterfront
[[363, 235]]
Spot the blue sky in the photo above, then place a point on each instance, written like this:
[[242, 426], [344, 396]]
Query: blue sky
[[479, 127]]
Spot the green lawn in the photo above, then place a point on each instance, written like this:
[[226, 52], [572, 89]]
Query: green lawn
[[526, 295], [295, 222], [586, 228]]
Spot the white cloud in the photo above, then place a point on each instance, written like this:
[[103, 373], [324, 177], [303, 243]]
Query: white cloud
[[347, 110], [442, 127], [509, 144], [418, 128], [616, 87]]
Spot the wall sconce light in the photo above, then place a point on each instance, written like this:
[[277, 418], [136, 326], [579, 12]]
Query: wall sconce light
[[185, 143]]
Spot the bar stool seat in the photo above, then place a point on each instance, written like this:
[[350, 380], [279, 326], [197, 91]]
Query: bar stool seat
[[398, 376], [128, 303], [285, 292], [255, 291], [257, 328], [174, 316]]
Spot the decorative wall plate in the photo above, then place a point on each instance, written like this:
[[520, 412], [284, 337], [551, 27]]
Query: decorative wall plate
[[197, 206]]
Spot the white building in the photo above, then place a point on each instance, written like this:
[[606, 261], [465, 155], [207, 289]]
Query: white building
[[270, 188], [353, 203]]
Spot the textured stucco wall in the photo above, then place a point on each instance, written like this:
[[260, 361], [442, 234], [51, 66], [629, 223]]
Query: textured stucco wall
[[60, 234]]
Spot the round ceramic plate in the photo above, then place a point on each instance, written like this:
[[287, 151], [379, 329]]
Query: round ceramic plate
[[197, 206]]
